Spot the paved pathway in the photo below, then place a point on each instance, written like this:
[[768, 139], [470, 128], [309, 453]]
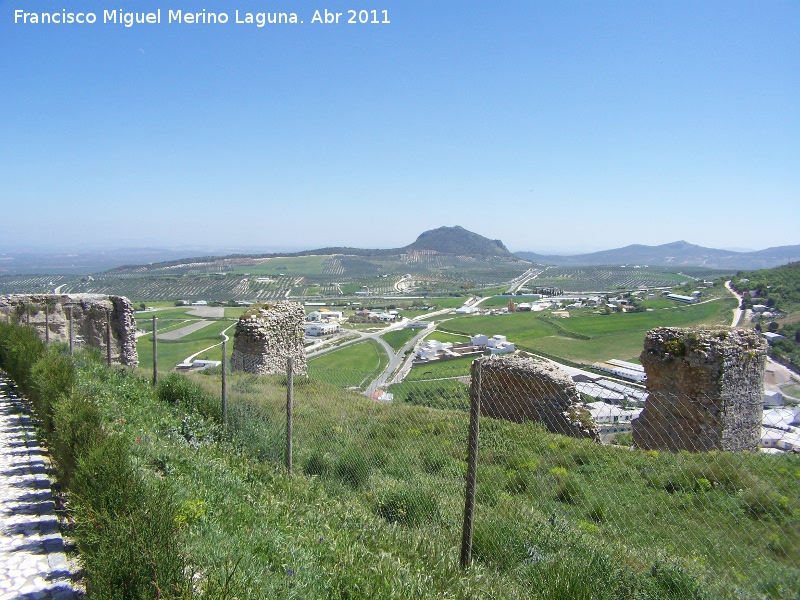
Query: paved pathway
[[32, 560]]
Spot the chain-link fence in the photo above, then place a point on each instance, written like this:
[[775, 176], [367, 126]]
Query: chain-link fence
[[552, 482]]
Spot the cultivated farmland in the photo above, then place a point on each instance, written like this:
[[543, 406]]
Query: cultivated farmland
[[588, 336]]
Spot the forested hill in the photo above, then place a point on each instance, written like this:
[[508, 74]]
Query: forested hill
[[778, 287], [457, 240]]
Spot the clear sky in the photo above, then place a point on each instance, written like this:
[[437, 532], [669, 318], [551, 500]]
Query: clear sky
[[554, 126]]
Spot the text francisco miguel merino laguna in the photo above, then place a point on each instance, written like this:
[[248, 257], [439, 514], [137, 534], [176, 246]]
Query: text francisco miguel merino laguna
[[204, 17]]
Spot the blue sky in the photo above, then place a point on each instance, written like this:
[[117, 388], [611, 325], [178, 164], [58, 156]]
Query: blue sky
[[554, 126]]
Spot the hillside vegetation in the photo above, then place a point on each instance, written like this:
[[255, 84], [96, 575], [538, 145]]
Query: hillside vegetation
[[778, 289], [167, 503]]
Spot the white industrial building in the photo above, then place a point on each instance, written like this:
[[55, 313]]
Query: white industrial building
[[431, 348], [684, 299], [611, 418], [636, 375], [319, 329], [780, 431]]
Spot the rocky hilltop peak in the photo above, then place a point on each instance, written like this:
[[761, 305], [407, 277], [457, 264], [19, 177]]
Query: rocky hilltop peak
[[459, 241]]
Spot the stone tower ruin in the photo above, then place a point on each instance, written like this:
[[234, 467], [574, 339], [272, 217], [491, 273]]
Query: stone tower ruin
[[49, 315], [521, 389], [705, 390], [266, 336]]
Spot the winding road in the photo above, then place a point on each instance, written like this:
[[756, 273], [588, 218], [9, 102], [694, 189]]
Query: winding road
[[399, 362], [737, 312]]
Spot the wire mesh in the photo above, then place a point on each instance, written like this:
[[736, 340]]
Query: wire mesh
[[563, 498]]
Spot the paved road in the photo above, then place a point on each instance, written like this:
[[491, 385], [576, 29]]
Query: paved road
[[33, 564], [737, 312], [524, 278], [396, 359]]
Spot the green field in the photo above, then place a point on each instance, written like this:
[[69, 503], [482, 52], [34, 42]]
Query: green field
[[172, 352], [352, 366], [502, 301], [458, 367], [616, 335], [443, 336], [399, 337]]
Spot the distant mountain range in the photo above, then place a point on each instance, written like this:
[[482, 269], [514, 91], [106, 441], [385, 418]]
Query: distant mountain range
[[675, 254], [454, 241], [81, 263]]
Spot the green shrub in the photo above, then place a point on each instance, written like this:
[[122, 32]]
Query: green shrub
[[596, 511], [491, 483], [499, 541], [569, 490], [762, 500], [435, 463], [177, 389], [254, 432], [673, 581], [126, 529], [77, 428], [52, 381], [318, 464], [353, 468], [407, 505], [20, 349]]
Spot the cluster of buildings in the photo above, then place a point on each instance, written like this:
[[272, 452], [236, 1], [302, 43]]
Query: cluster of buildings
[[371, 316], [434, 350], [322, 322]]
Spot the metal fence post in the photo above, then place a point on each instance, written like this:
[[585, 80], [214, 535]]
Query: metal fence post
[[289, 409], [155, 354], [46, 322], [472, 465], [71, 334], [108, 337], [224, 385]]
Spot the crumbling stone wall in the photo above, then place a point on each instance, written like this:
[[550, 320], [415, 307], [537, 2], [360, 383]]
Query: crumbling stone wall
[[266, 337], [49, 314], [705, 390], [520, 389]]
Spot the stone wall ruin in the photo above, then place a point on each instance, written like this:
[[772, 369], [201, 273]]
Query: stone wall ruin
[[520, 389], [49, 315], [267, 336], [705, 390]]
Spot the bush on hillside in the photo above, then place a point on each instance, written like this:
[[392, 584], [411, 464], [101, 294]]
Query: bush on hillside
[[407, 505], [126, 528], [52, 382], [20, 348], [175, 388], [77, 429]]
